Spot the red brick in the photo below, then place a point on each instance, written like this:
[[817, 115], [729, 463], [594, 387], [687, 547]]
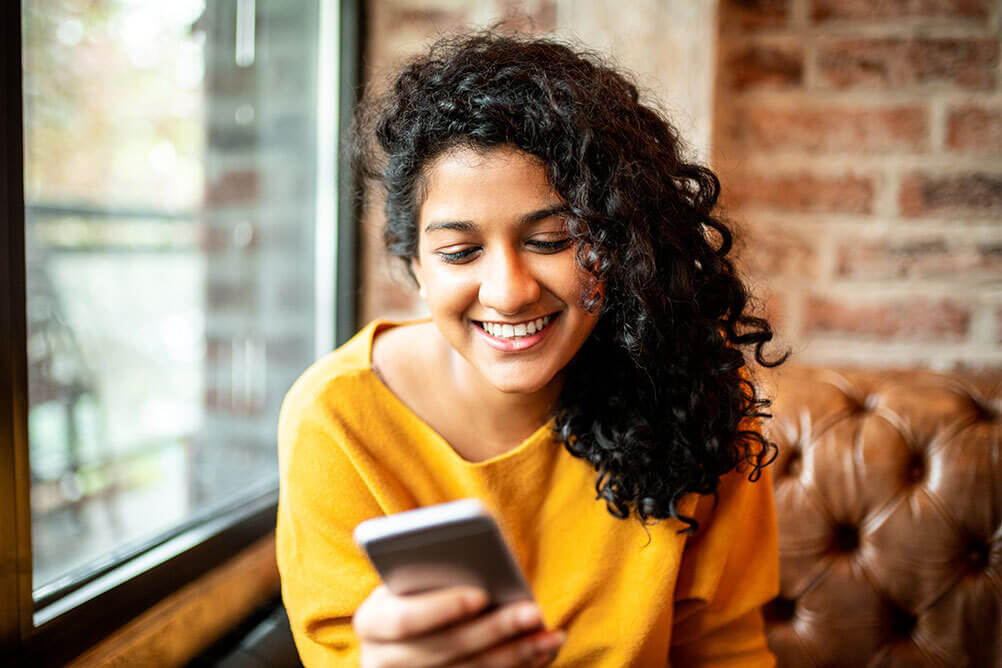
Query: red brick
[[931, 258], [772, 308], [973, 193], [979, 372], [293, 349], [833, 129], [224, 401], [213, 400], [216, 237], [768, 252], [983, 374], [212, 239], [878, 10], [770, 305], [425, 19], [763, 66], [974, 129], [545, 16], [387, 291], [801, 193], [900, 63], [216, 348], [743, 15], [229, 295], [235, 187], [914, 319], [518, 15]]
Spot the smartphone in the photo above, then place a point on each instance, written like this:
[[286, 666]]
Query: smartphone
[[449, 544]]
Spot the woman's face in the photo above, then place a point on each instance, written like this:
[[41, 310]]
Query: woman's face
[[497, 268]]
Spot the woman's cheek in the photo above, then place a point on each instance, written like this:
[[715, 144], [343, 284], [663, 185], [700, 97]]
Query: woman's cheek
[[453, 287]]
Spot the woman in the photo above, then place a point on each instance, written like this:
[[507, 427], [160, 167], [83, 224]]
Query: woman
[[582, 373]]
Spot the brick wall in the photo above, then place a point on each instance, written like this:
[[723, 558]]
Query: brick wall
[[667, 43], [860, 145]]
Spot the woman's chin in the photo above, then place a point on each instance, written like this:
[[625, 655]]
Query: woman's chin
[[517, 388], [516, 383]]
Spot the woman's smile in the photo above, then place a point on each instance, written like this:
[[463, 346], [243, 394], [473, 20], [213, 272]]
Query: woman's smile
[[496, 266], [515, 337]]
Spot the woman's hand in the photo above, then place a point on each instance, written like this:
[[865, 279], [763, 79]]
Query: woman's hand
[[445, 628]]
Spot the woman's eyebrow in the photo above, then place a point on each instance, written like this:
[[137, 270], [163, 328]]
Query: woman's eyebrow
[[543, 214], [457, 225], [469, 226]]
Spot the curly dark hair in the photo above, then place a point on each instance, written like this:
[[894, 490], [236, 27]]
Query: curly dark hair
[[657, 400]]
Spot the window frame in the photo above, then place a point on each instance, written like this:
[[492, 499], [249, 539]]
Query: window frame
[[90, 610]]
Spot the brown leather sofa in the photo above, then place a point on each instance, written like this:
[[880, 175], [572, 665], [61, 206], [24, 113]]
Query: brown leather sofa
[[889, 498]]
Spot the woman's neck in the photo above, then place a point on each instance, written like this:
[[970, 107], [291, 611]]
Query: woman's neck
[[478, 420], [503, 419]]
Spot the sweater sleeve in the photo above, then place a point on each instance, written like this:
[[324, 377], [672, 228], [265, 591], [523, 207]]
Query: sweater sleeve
[[324, 576], [729, 569]]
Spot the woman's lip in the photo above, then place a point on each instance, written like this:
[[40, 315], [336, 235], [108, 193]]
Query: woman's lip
[[519, 344]]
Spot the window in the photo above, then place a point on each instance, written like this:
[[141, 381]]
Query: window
[[183, 249]]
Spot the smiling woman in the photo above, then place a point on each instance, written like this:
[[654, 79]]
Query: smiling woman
[[584, 364]]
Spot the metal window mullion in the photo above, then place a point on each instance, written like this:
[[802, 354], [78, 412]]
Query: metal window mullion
[[352, 33], [325, 245]]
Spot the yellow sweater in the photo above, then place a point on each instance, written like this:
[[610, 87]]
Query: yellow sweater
[[350, 450]]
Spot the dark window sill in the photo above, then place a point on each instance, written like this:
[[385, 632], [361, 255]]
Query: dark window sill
[[93, 612]]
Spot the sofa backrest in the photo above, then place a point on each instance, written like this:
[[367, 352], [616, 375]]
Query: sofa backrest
[[889, 499]]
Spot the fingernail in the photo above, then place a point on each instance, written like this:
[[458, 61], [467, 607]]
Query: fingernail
[[551, 643], [528, 617], [475, 600]]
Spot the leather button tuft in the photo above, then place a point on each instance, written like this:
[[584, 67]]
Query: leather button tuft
[[916, 468], [846, 538], [780, 609], [902, 622], [795, 464], [866, 404], [977, 556], [986, 410]]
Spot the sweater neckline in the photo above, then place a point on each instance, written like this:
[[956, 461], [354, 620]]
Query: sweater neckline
[[522, 450]]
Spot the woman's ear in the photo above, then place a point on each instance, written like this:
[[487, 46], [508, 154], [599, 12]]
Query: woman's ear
[[416, 273]]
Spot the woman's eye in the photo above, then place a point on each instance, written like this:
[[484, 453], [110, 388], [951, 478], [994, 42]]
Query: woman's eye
[[550, 246], [460, 256]]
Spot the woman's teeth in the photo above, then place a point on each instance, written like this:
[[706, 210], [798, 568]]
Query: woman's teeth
[[506, 331]]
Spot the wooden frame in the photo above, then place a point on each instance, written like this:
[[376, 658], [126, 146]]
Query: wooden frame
[[177, 628]]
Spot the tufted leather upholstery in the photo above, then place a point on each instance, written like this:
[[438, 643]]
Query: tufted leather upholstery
[[889, 498]]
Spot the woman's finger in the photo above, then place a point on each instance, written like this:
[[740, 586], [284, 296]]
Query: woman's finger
[[537, 650], [383, 616], [545, 660], [468, 639]]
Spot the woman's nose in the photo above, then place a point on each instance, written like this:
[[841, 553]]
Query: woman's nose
[[508, 284]]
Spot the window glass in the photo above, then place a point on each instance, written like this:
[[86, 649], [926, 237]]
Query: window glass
[[170, 190]]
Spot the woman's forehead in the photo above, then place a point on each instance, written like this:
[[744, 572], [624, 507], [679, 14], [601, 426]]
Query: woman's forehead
[[462, 160], [469, 183]]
